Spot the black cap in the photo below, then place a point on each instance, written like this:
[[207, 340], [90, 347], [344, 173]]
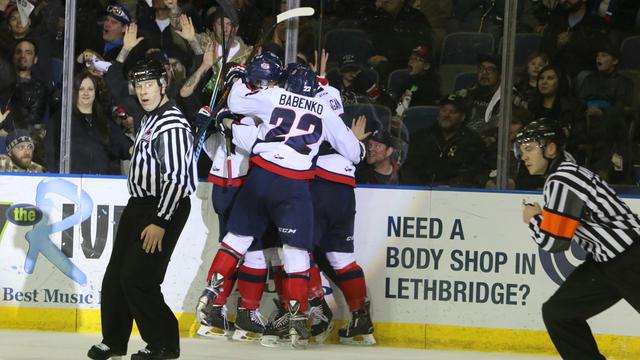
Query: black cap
[[381, 136], [457, 101], [350, 62]]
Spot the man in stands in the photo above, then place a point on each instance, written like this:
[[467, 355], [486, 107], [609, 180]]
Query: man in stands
[[19, 154], [379, 168], [449, 153]]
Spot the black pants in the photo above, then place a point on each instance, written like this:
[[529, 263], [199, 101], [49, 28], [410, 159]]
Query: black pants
[[589, 290], [131, 283]]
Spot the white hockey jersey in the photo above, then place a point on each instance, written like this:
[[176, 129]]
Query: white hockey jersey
[[330, 165], [292, 129], [215, 147]]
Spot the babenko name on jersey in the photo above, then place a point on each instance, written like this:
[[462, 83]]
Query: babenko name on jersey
[[301, 103]]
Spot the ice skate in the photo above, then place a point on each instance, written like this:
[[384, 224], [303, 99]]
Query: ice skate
[[276, 333], [297, 326], [215, 324], [249, 325], [208, 297], [103, 352], [359, 331], [320, 315]]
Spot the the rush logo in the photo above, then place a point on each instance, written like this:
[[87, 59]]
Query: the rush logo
[[287, 230]]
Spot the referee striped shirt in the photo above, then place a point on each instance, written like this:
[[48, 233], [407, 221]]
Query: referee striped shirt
[[162, 163], [579, 205]]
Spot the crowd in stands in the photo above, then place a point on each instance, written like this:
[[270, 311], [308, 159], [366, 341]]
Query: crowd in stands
[[425, 73]]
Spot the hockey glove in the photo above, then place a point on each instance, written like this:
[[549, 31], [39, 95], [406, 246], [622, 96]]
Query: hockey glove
[[235, 72], [202, 118]]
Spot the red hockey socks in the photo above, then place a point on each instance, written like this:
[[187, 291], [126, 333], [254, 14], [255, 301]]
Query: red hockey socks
[[315, 282], [351, 282], [251, 285], [296, 287], [224, 263]]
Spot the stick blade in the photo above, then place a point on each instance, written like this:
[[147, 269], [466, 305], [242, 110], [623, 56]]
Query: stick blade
[[297, 12]]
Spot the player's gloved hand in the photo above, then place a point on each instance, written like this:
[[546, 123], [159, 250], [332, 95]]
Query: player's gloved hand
[[223, 122], [202, 118], [234, 73]]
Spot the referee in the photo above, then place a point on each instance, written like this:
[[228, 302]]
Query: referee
[[580, 206], [161, 177]]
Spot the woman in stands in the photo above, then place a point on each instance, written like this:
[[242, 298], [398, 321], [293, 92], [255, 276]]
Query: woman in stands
[[95, 139], [553, 98]]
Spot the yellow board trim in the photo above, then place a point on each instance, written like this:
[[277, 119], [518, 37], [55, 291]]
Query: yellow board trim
[[419, 336]]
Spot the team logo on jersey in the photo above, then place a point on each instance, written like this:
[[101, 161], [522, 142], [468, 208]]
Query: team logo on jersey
[[349, 238]]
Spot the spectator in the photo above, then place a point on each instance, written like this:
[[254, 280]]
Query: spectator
[[449, 153], [237, 51], [479, 95], [159, 34], [571, 37], [527, 84], [19, 154], [108, 45], [42, 31], [395, 27], [604, 135], [95, 139], [553, 99], [483, 99], [356, 85], [30, 96], [423, 85], [379, 167]]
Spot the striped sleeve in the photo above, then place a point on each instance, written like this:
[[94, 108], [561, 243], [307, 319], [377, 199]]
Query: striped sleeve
[[174, 152], [563, 208]]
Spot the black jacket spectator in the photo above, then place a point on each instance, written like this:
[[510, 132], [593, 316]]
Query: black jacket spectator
[[435, 161], [96, 139], [447, 154], [395, 34], [573, 47]]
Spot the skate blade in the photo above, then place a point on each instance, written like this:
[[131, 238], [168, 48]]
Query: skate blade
[[320, 338], [273, 341], [214, 332], [298, 343], [360, 340], [244, 335]]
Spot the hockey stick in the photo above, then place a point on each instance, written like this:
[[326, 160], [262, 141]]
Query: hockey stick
[[284, 16]]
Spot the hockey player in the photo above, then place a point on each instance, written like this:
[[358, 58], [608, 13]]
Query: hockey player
[[334, 209], [333, 229], [263, 72], [277, 188]]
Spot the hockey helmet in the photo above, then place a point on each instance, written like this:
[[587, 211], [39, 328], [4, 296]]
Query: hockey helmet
[[264, 69], [301, 80]]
